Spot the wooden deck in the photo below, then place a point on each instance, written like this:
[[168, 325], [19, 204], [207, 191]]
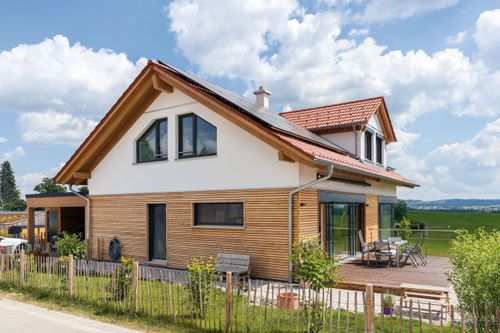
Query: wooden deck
[[433, 274]]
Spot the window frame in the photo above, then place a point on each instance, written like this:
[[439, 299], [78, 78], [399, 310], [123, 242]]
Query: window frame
[[195, 223], [379, 152], [180, 133], [156, 126], [371, 145]]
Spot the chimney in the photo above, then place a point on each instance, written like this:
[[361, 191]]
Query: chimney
[[262, 96]]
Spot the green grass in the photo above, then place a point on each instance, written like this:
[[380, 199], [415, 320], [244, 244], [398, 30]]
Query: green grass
[[439, 242]]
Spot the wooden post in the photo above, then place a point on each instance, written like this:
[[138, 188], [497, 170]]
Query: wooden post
[[497, 315], [22, 268], [370, 310], [135, 286], [70, 278], [229, 300]]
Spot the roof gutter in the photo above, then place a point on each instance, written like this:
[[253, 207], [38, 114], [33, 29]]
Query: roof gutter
[[290, 212], [87, 219]]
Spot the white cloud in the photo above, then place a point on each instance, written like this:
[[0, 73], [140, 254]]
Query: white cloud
[[2, 139], [301, 58], [487, 37], [55, 74], [457, 39], [466, 169], [14, 154], [383, 10], [359, 32], [52, 127]]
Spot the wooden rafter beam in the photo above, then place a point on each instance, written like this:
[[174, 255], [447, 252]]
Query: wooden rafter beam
[[160, 85], [81, 175], [285, 158]]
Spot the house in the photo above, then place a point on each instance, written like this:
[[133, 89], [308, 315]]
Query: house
[[182, 168]]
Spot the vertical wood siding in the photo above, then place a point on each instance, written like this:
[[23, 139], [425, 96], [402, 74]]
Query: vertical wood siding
[[371, 218], [264, 236]]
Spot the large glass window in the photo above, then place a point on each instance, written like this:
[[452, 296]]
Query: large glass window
[[386, 220], [197, 137], [218, 214], [380, 148], [368, 145], [152, 145]]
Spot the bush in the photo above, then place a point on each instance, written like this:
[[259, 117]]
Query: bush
[[121, 288], [71, 244], [475, 273], [312, 265], [202, 274], [405, 228]]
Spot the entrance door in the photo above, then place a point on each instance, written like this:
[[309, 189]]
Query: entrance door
[[157, 232], [343, 220]]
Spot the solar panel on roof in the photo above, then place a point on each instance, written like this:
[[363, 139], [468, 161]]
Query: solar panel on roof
[[247, 105]]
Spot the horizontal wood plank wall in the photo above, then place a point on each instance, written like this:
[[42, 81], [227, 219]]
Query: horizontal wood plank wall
[[371, 218], [264, 236], [309, 213]]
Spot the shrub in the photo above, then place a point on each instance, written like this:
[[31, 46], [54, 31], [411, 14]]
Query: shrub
[[312, 265], [202, 274], [475, 272], [71, 244], [405, 228]]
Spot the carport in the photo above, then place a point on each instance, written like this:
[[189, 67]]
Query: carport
[[63, 212]]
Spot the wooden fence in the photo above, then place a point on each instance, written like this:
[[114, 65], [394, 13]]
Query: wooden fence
[[229, 304]]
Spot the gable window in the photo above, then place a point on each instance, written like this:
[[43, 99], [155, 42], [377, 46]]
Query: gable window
[[152, 145], [218, 214], [380, 149], [197, 137], [368, 146]]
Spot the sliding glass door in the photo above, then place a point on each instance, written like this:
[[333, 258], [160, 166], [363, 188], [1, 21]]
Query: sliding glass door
[[342, 222]]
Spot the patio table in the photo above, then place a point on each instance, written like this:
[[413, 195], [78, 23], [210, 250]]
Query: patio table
[[398, 245]]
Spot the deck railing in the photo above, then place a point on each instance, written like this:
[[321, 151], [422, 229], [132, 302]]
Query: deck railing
[[230, 304]]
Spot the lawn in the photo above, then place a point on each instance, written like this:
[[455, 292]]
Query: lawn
[[439, 222]]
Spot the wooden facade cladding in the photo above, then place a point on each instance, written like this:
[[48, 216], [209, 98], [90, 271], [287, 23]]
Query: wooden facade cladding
[[264, 236], [371, 218]]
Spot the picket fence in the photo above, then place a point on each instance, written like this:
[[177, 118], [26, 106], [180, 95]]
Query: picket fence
[[229, 304]]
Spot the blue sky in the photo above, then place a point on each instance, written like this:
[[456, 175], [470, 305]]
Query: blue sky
[[63, 64]]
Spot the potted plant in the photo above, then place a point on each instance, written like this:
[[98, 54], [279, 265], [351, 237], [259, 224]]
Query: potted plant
[[389, 303]]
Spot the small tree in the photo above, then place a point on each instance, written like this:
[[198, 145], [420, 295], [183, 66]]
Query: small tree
[[475, 273], [9, 193], [405, 228], [400, 210], [71, 244], [48, 186], [17, 205], [312, 265]]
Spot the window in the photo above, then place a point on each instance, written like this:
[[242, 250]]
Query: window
[[386, 220], [152, 145], [218, 214], [368, 145], [380, 151], [196, 137]]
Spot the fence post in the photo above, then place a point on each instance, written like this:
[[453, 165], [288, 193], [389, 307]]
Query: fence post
[[497, 316], [71, 276], [22, 268], [370, 310], [229, 301], [135, 286]]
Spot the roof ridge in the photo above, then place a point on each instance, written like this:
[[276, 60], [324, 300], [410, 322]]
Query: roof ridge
[[334, 104]]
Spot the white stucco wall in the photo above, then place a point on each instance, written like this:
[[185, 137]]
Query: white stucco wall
[[346, 140], [243, 161], [308, 174]]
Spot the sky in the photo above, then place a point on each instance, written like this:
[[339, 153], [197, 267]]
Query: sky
[[64, 63]]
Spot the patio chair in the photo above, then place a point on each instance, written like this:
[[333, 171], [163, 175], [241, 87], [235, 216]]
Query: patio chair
[[416, 250], [366, 248], [407, 254], [383, 249]]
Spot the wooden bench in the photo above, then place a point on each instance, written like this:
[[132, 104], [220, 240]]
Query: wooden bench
[[238, 264], [427, 292]]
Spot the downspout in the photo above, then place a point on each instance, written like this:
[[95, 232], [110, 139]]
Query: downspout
[[290, 213], [87, 220]]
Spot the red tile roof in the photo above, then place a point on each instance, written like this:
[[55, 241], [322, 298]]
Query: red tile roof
[[335, 115], [343, 161]]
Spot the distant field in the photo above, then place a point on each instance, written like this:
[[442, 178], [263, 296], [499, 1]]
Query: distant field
[[439, 240]]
